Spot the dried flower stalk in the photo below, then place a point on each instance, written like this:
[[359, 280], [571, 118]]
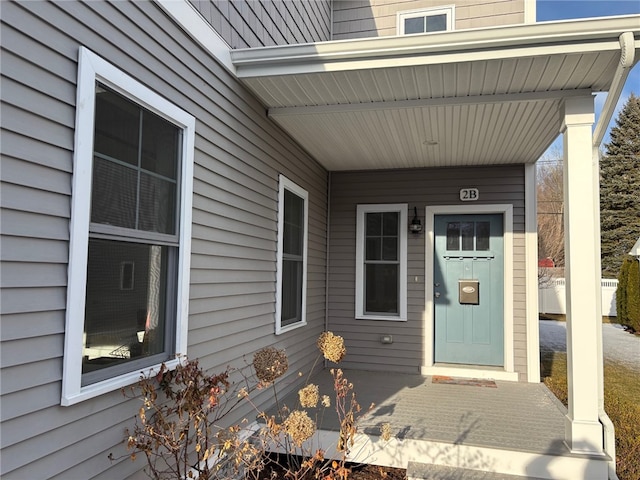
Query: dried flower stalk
[[385, 431], [270, 363], [332, 346], [309, 396], [299, 427]]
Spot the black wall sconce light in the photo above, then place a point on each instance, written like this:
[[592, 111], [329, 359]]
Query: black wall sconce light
[[416, 226]]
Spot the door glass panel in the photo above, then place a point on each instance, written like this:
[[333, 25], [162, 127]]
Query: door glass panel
[[453, 236], [466, 230], [482, 235]]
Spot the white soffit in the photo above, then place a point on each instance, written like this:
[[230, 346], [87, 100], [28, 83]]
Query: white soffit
[[474, 97]]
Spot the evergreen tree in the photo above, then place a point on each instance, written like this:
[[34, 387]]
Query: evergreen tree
[[621, 292], [620, 189], [633, 296]]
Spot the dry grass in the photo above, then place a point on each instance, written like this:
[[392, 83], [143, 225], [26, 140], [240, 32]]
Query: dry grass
[[622, 404]]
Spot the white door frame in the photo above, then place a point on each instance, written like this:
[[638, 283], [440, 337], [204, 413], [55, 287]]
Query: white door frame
[[429, 368]]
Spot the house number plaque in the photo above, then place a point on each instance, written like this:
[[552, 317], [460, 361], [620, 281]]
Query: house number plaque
[[469, 194]]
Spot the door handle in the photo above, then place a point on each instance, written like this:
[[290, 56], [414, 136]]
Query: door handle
[[437, 294]]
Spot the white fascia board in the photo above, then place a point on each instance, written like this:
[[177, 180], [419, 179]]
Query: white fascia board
[[577, 36], [530, 12], [192, 22]]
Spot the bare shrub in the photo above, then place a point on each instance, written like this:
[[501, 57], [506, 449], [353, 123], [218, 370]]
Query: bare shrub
[[179, 426]]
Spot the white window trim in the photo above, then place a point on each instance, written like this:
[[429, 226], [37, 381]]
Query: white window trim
[[448, 10], [92, 68], [402, 209], [286, 184]]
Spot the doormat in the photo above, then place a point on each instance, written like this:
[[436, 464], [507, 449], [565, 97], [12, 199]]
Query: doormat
[[474, 382]]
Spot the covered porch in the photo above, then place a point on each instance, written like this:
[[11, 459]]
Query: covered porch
[[483, 98], [501, 427]]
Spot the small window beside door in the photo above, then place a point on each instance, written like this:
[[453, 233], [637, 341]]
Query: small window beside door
[[381, 262], [426, 20]]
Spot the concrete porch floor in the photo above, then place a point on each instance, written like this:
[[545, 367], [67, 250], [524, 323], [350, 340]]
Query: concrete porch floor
[[514, 428]]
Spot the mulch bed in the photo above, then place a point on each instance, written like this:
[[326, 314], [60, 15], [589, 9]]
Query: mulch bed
[[358, 472], [375, 472]]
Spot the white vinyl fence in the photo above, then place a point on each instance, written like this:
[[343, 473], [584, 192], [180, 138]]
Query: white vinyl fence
[[552, 297]]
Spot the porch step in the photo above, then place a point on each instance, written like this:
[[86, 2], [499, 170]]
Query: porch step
[[425, 471]]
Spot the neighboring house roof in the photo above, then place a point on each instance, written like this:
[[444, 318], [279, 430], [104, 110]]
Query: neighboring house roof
[[635, 250], [472, 97]]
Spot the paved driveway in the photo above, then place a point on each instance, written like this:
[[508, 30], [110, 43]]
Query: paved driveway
[[618, 345]]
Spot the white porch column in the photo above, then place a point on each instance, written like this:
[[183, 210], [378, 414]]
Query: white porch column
[[583, 432]]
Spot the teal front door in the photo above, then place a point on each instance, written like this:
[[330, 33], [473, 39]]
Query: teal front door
[[469, 289]]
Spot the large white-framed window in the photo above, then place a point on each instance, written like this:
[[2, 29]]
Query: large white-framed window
[[130, 242], [291, 284], [381, 262], [426, 20]]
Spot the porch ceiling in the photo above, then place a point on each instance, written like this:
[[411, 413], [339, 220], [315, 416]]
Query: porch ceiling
[[474, 97]]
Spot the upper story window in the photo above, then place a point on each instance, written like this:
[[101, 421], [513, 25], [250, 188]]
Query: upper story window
[[381, 262], [427, 20], [127, 297], [291, 289]]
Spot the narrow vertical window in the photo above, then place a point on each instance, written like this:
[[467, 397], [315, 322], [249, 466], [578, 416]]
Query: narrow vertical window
[[292, 256], [381, 262]]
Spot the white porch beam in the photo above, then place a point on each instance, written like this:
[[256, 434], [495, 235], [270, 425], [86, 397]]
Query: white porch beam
[[583, 431], [427, 102]]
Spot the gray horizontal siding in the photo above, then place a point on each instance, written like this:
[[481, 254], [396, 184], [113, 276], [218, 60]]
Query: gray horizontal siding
[[239, 155], [420, 188], [269, 22], [363, 18]]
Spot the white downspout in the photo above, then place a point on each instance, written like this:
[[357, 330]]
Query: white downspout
[[627, 53]]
